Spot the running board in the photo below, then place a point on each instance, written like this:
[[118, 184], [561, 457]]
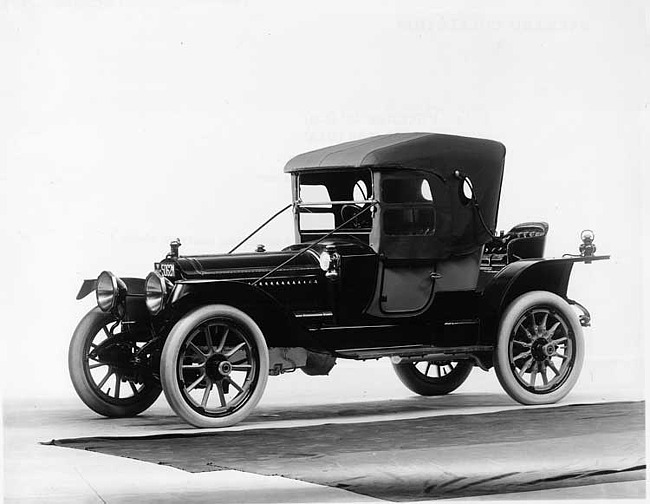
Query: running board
[[413, 352]]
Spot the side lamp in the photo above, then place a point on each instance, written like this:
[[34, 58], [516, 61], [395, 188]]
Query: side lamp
[[330, 262]]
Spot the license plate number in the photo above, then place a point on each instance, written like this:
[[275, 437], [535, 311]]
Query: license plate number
[[167, 270]]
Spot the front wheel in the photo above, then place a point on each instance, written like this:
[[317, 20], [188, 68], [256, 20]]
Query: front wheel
[[433, 378], [214, 366], [540, 348], [98, 361]]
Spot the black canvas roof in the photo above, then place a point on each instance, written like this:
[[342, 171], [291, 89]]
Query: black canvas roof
[[400, 150], [462, 227]]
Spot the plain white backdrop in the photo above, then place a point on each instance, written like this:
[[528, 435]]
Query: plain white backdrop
[[128, 124]]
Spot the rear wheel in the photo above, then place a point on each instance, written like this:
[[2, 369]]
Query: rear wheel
[[540, 348], [214, 366], [98, 362], [430, 378]]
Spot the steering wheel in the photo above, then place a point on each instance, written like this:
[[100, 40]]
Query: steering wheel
[[350, 211]]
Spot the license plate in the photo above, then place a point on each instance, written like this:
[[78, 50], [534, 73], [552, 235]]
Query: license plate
[[167, 270]]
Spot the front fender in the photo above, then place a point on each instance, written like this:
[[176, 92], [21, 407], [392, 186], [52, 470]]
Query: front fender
[[280, 327], [520, 277], [134, 287]]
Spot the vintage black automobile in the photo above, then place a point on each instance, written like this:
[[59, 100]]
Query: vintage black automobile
[[395, 256]]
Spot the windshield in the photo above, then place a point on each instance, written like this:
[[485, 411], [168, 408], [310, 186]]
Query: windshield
[[327, 200]]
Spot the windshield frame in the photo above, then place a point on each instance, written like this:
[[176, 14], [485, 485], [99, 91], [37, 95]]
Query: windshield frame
[[333, 206]]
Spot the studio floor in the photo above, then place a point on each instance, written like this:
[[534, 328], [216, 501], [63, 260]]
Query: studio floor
[[354, 436]]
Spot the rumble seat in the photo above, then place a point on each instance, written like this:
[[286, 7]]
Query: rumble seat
[[526, 241]]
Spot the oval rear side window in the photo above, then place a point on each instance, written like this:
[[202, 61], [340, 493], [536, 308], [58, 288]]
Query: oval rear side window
[[466, 191], [425, 190]]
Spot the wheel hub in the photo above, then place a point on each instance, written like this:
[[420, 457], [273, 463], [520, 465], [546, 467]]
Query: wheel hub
[[218, 367], [549, 349], [542, 349], [225, 368]]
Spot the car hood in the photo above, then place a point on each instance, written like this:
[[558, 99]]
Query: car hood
[[244, 266], [250, 266]]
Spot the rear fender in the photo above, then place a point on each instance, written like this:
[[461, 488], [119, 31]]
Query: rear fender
[[280, 327], [516, 279]]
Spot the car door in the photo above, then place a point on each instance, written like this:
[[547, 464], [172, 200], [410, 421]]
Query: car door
[[404, 237]]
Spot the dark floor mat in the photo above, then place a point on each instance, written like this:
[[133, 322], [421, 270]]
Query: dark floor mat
[[419, 458]]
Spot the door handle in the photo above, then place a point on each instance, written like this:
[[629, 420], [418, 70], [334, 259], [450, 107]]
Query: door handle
[[434, 275]]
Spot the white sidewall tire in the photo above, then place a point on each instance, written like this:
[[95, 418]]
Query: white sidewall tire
[[87, 328], [169, 369], [502, 361]]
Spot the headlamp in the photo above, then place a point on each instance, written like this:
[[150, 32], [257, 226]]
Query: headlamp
[[109, 291], [156, 288]]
